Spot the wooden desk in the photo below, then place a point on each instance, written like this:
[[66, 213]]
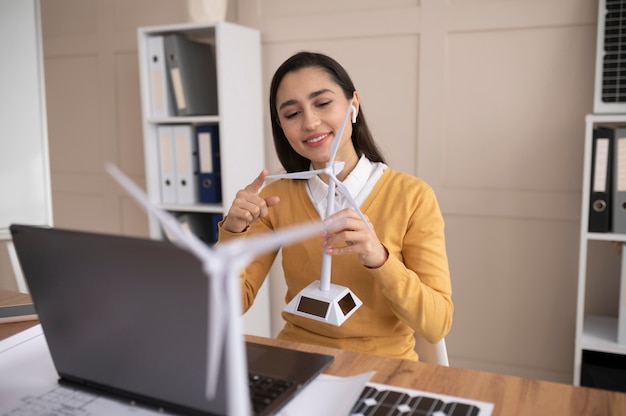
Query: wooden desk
[[511, 395], [8, 297]]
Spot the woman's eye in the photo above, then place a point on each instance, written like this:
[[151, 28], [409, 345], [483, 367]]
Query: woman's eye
[[324, 103], [289, 116]]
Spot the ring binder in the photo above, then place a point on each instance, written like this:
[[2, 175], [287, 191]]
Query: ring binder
[[192, 75], [601, 181], [619, 182]]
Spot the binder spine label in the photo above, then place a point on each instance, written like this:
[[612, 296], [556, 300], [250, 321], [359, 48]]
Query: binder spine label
[[177, 84], [601, 165], [621, 165], [205, 152]]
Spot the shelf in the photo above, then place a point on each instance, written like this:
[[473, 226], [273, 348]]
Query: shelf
[[237, 60], [596, 333], [607, 119], [193, 29], [208, 208], [605, 236], [600, 334], [239, 90], [184, 120]]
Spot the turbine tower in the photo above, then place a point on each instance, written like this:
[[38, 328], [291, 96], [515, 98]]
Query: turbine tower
[[322, 300]]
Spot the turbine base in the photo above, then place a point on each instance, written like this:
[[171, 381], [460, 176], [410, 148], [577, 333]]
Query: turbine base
[[333, 307]]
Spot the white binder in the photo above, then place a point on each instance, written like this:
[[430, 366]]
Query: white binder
[[161, 103], [619, 183], [167, 164], [186, 164]]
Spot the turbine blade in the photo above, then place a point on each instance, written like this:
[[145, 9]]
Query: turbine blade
[[217, 326], [346, 193], [240, 252], [172, 227], [335, 145], [295, 175]]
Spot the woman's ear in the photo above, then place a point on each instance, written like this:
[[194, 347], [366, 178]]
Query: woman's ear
[[355, 103]]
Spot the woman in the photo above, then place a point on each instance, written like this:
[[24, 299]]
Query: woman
[[398, 266]]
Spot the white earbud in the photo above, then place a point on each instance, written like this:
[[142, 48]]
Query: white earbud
[[353, 113]]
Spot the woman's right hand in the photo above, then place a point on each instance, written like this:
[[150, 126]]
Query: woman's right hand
[[248, 206]]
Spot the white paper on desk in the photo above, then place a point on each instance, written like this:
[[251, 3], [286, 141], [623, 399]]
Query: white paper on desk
[[28, 380], [25, 367], [327, 395]]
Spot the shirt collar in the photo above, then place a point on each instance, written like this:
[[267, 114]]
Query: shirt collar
[[355, 181]]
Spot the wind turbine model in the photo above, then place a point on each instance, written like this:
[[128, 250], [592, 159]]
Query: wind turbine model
[[321, 300], [222, 265]]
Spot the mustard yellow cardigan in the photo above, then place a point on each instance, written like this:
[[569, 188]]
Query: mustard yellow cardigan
[[410, 293]]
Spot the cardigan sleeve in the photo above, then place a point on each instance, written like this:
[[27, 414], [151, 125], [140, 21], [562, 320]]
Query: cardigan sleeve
[[416, 278], [253, 276]]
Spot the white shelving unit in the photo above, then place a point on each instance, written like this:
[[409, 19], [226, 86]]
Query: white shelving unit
[[237, 52], [594, 332]]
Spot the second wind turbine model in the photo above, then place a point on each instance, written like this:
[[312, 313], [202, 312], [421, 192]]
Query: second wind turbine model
[[222, 265], [322, 300]]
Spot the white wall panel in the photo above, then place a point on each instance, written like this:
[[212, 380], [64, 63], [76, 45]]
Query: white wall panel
[[524, 138], [289, 8], [514, 295], [73, 112], [129, 144]]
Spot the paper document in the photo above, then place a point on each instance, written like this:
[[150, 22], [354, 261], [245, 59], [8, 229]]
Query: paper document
[[327, 395]]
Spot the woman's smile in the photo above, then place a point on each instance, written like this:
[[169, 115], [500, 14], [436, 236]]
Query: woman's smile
[[317, 139]]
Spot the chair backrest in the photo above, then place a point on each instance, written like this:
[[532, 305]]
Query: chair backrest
[[432, 353]]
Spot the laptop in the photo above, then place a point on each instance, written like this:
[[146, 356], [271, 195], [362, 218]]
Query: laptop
[[127, 317]]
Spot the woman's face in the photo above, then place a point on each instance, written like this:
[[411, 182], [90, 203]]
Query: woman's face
[[311, 108]]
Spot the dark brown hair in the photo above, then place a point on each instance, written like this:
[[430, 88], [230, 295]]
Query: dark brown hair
[[362, 139]]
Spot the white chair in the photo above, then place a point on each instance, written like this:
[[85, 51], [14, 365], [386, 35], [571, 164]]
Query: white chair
[[432, 353]]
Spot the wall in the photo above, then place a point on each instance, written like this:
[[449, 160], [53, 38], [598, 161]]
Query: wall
[[483, 99]]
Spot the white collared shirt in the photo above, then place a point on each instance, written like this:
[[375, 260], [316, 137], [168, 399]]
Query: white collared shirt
[[359, 182]]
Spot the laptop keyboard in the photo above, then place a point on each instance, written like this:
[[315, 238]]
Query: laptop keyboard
[[265, 390], [59, 401], [63, 401]]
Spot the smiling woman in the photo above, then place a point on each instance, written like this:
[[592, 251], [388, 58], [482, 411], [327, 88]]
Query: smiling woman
[[395, 261]]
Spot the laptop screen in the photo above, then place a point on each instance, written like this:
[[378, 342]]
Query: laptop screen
[[123, 314]]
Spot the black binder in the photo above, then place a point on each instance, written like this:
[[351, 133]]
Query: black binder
[[601, 180], [191, 75], [210, 177]]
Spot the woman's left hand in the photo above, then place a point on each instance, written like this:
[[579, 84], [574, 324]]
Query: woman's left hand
[[346, 233]]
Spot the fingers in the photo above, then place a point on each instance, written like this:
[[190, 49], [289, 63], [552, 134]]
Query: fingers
[[347, 219], [272, 201], [346, 233], [257, 184], [261, 204], [248, 206]]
